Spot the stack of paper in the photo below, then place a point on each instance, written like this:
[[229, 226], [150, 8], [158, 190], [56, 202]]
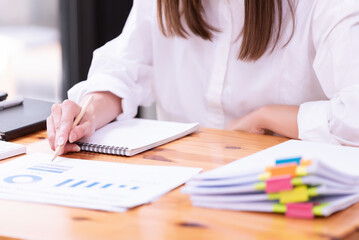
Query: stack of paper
[[319, 181]]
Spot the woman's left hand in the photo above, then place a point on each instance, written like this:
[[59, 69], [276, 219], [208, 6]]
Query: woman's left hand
[[253, 122], [281, 119]]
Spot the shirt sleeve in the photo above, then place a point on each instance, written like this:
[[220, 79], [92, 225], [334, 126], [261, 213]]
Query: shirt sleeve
[[335, 31], [123, 66]]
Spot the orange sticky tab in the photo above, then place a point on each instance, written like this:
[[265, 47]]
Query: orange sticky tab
[[268, 168], [284, 169], [306, 162]]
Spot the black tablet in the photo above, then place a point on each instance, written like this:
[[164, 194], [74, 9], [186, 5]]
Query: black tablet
[[23, 119]]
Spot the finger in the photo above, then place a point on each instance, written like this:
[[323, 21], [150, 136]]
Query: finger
[[268, 132], [84, 129], [56, 115], [51, 134], [258, 131], [69, 147], [69, 111]]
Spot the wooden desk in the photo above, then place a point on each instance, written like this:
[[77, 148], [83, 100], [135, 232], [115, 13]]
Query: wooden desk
[[172, 216]]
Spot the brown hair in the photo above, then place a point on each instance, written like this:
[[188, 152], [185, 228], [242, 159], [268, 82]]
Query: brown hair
[[263, 21]]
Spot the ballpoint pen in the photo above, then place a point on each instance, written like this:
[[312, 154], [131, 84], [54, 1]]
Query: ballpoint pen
[[11, 103], [77, 120]]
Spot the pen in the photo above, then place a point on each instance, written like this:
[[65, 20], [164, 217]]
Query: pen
[[77, 120], [11, 103]]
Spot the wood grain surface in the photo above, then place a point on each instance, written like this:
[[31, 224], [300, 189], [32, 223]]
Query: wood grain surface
[[172, 216]]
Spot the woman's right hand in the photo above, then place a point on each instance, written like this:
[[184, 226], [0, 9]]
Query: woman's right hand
[[59, 125], [104, 108]]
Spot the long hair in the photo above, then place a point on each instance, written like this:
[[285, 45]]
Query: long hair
[[262, 23]]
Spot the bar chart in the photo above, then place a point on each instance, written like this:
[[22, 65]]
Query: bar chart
[[73, 183], [52, 168]]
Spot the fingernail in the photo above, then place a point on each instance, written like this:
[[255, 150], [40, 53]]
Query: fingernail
[[76, 149], [72, 137], [60, 141]]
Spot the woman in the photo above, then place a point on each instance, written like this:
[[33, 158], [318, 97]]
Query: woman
[[291, 67]]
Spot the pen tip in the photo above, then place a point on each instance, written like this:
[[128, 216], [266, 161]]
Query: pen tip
[[56, 153], [53, 157]]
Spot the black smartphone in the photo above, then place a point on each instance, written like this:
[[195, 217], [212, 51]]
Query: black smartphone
[[3, 95]]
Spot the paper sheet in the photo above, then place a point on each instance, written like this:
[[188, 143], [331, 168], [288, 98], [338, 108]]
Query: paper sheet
[[86, 183], [343, 159]]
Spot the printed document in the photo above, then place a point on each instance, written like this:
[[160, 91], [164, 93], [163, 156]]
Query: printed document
[[86, 183]]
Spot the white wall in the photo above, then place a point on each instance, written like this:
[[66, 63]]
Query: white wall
[[25, 12]]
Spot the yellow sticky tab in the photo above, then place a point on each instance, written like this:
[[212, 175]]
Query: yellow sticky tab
[[260, 186], [264, 176], [298, 194], [301, 171]]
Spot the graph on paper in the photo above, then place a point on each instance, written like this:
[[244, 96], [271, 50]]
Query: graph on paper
[[72, 183], [87, 184], [52, 168]]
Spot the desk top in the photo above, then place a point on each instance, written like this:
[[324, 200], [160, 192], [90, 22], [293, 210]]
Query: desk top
[[172, 216]]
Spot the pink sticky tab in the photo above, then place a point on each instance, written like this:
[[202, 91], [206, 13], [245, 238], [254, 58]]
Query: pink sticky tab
[[280, 183], [300, 210]]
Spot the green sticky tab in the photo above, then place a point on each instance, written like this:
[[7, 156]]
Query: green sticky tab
[[264, 176], [298, 194], [273, 196], [279, 208], [318, 210], [312, 192], [297, 181], [260, 186]]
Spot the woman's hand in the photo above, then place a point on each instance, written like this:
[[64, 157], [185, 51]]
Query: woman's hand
[[253, 122], [59, 125], [281, 119], [104, 108]]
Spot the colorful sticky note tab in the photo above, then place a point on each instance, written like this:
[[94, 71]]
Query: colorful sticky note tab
[[318, 210], [283, 169], [298, 194], [273, 196], [260, 186], [297, 181], [279, 208], [312, 192], [288, 160], [305, 162], [279, 183], [301, 171], [300, 210]]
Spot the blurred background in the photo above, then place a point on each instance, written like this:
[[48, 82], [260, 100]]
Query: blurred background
[[30, 48], [46, 46]]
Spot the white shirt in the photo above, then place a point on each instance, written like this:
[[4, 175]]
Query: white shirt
[[193, 80]]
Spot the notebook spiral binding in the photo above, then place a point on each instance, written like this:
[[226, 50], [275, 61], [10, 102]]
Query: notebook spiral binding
[[89, 147]]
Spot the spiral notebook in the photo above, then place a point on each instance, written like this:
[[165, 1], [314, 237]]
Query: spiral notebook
[[132, 136]]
